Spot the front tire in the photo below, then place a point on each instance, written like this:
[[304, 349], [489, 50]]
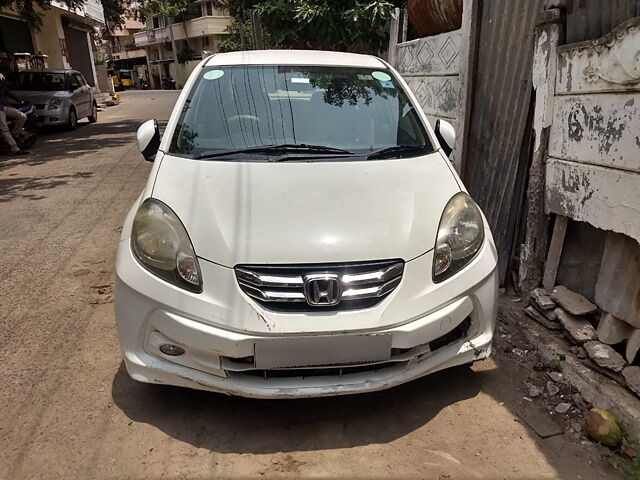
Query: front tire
[[93, 118], [28, 136], [73, 120]]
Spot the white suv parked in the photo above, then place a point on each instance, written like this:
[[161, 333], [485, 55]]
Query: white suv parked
[[302, 233]]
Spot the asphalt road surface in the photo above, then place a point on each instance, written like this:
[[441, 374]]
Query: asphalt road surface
[[69, 410]]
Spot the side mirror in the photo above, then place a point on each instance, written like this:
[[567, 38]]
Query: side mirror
[[446, 135], [149, 139]]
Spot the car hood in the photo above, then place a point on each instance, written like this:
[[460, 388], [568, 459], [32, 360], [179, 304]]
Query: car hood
[[307, 212], [38, 97]]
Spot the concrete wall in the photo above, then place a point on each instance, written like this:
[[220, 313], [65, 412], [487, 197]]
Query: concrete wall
[[593, 165], [438, 70], [48, 40], [431, 67]]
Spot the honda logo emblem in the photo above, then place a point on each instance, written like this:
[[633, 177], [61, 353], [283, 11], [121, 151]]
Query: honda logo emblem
[[322, 289]]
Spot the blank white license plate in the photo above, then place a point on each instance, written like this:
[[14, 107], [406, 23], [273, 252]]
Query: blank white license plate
[[290, 352]]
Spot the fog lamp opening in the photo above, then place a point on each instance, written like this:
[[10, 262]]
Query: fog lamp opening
[[171, 350]]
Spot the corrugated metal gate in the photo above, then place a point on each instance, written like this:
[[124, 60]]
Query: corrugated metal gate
[[498, 140], [590, 19]]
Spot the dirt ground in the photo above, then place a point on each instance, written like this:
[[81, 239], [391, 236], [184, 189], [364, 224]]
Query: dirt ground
[[69, 410]]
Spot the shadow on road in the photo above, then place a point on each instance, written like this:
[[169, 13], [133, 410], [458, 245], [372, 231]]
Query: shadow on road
[[227, 424], [99, 138], [17, 186]]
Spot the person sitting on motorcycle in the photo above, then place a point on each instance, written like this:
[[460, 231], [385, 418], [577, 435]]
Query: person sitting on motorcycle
[[7, 112]]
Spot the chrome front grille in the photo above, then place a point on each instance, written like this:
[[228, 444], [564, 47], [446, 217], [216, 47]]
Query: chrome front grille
[[301, 287]]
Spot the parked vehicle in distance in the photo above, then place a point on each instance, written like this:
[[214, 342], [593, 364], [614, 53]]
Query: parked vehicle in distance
[[126, 78], [308, 236], [168, 83], [61, 97], [111, 73]]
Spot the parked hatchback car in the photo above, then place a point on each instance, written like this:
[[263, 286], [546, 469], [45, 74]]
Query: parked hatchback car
[[302, 233], [61, 97]]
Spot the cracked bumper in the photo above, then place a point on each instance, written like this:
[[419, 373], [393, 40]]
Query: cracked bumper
[[219, 331]]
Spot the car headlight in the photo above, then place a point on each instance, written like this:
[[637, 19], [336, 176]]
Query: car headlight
[[460, 237], [55, 104], [160, 243]]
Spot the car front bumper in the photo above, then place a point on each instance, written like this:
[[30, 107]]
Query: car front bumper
[[52, 117], [223, 355]]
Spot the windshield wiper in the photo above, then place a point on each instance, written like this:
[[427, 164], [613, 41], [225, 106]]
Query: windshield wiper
[[279, 148], [397, 150]]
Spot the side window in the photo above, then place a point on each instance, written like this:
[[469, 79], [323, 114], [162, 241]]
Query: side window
[[79, 79]]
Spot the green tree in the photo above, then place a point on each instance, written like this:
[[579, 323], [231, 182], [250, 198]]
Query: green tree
[[345, 25]]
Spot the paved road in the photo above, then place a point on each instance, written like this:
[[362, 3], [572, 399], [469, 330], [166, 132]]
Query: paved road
[[69, 410]]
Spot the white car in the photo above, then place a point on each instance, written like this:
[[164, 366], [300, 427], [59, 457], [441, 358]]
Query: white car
[[302, 234]]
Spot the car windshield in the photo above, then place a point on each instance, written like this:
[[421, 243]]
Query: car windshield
[[350, 108], [39, 81]]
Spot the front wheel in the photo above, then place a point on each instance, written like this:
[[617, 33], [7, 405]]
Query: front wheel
[[93, 118], [28, 135], [72, 123]]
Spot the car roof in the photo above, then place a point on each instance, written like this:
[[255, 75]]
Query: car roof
[[294, 57], [49, 70]]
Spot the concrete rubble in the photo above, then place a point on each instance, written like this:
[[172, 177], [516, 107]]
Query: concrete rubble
[[604, 356], [572, 302], [541, 300], [594, 388], [612, 330], [542, 318], [578, 328], [600, 359], [632, 377], [633, 345]]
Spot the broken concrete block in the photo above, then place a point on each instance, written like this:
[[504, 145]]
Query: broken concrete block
[[552, 388], [542, 319], [633, 345], [604, 356], [572, 302], [632, 376], [533, 390], [579, 328], [550, 314], [611, 330], [557, 377], [541, 299]]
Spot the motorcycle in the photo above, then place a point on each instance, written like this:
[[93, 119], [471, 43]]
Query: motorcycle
[[29, 133], [144, 85], [168, 83]]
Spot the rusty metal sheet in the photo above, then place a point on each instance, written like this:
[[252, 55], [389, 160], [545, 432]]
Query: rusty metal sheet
[[606, 198], [598, 129], [495, 168]]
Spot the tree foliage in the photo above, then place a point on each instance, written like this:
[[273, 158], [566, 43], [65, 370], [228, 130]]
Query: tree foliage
[[346, 25], [165, 8]]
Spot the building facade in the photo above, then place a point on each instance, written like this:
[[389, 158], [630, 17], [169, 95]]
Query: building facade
[[64, 40], [196, 34]]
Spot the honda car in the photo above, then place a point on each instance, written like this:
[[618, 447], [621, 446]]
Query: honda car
[[302, 233]]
